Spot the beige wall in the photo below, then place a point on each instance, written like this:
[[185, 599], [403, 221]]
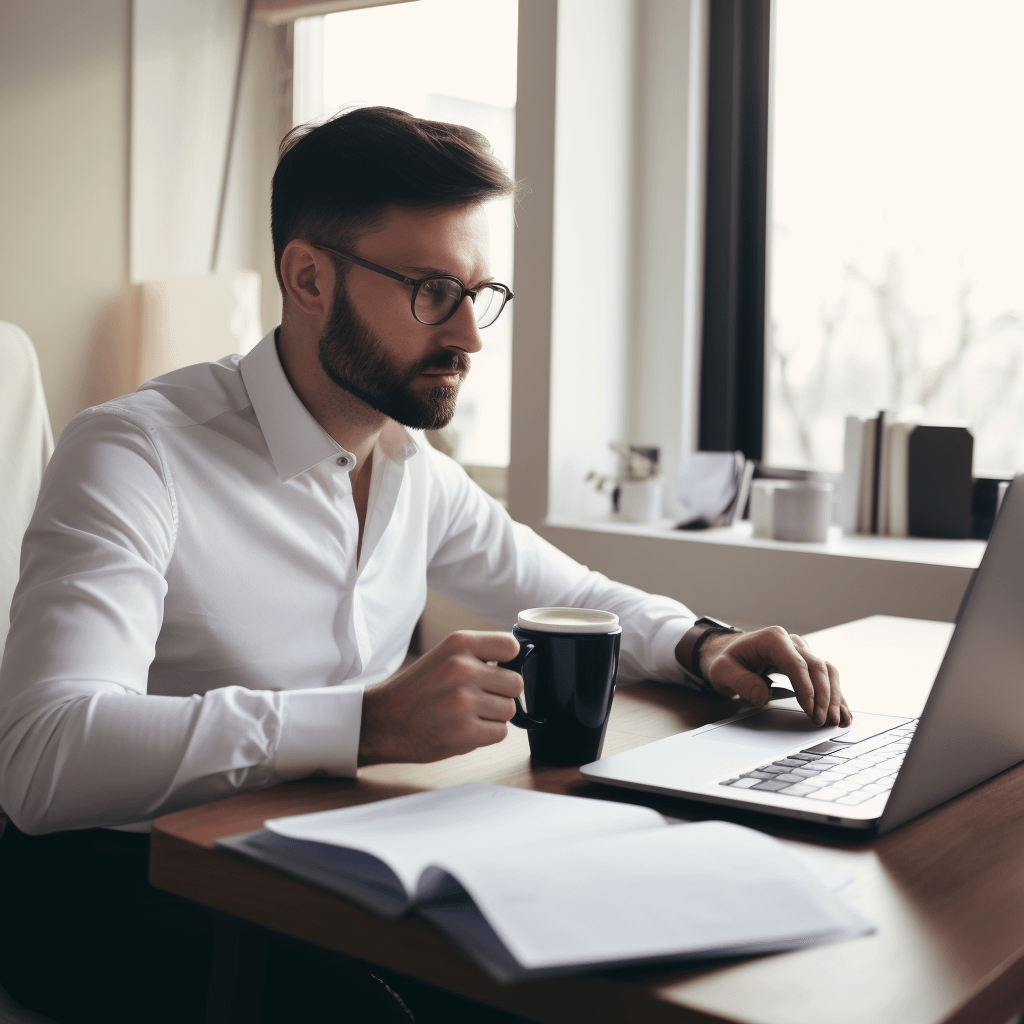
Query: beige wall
[[64, 87], [65, 98]]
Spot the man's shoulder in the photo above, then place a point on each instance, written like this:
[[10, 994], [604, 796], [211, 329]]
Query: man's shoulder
[[190, 396]]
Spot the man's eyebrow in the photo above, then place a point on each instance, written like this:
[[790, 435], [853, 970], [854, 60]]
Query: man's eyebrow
[[420, 272]]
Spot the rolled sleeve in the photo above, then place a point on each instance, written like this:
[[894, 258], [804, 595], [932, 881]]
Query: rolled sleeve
[[320, 732]]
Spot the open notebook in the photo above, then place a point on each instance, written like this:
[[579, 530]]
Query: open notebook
[[531, 884]]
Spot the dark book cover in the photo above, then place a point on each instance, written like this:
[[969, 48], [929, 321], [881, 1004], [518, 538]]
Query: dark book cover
[[939, 481]]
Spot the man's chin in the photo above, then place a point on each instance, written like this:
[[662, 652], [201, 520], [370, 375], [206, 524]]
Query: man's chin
[[432, 411]]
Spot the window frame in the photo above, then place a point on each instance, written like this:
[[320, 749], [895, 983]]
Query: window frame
[[733, 343]]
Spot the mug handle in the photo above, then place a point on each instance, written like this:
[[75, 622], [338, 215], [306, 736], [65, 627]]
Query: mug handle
[[521, 718]]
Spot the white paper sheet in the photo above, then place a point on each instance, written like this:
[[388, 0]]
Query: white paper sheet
[[409, 833], [711, 888]]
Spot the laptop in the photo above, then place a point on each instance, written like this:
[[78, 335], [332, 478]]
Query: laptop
[[884, 769]]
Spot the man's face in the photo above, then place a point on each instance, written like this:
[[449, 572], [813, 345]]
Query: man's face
[[373, 346]]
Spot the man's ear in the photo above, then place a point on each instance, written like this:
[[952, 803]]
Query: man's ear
[[307, 274]]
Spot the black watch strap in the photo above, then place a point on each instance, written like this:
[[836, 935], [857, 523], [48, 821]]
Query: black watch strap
[[688, 649]]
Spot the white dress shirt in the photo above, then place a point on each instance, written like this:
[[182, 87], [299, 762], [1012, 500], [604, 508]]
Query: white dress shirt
[[191, 619]]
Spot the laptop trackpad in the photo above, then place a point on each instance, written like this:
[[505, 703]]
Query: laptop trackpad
[[778, 727]]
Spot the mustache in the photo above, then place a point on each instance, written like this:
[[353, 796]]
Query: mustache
[[451, 362]]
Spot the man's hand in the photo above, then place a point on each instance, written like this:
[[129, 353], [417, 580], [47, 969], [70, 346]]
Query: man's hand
[[450, 701], [733, 663]]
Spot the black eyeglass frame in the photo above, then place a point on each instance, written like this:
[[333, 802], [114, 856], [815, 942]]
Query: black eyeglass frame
[[507, 293]]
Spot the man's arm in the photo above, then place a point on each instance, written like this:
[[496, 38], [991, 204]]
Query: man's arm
[[81, 742], [483, 560]]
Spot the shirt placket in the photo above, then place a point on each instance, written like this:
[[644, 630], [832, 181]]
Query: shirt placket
[[350, 624]]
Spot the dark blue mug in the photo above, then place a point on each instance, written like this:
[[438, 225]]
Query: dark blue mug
[[568, 658]]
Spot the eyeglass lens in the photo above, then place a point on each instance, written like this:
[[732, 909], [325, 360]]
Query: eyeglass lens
[[437, 297]]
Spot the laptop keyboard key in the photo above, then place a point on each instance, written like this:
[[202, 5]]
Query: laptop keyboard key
[[789, 777], [852, 799], [760, 776], [825, 747], [799, 790], [772, 786], [741, 783]]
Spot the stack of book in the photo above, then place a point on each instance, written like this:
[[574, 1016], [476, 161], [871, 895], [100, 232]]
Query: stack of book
[[906, 476]]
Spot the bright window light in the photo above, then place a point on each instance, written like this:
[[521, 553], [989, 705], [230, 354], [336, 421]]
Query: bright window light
[[448, 60], [896, 222]]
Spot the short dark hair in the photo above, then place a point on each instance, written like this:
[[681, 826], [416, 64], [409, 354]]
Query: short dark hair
[[334, 180]]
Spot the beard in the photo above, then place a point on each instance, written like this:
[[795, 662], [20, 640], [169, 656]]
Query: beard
[[355, 358]]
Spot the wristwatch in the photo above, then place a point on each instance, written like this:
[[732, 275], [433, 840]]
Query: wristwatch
[[688, 649]]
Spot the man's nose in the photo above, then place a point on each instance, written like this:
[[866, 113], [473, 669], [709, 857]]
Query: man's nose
[[462, 332]]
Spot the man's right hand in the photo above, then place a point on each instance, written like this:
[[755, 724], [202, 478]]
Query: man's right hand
[[450, 701]]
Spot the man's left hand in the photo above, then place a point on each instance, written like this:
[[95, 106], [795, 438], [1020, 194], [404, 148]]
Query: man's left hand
[[735, 663]]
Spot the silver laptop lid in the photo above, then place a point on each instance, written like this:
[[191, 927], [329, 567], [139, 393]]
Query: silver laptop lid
[[972, 726]]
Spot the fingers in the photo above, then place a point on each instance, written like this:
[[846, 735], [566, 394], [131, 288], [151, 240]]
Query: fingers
[[484, 646], [828, 694], [742, 682], [741, 660], [495, 709]]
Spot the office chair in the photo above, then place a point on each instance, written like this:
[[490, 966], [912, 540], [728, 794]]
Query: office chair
[[26, 444]]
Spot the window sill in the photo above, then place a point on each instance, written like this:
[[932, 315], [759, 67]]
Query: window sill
[[726, 573], [965, 554]]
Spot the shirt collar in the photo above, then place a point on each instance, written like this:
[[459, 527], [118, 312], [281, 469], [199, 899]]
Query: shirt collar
[[296, 441]]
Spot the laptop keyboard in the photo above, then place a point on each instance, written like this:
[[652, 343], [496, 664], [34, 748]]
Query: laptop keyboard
[[834, 772]]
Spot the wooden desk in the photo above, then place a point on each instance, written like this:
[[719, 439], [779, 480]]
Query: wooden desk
[[946, 891]]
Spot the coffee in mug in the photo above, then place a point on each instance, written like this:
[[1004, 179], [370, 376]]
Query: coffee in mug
[[568, 658]]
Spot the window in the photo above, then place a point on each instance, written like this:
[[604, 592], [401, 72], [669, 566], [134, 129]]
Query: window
[[896, 214], [449, 60]]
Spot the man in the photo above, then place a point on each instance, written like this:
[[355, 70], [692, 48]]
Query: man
[[224, 569]]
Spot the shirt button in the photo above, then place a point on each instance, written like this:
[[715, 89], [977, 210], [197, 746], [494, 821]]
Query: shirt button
[[341, 460]]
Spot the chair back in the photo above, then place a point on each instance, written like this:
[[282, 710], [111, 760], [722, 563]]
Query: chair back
[[26, 443]]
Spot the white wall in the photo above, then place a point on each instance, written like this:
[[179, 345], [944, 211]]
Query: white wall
[[64, 93], [667, 283], [593, 242]]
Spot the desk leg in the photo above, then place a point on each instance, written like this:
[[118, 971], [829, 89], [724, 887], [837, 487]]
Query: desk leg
[[237, 970]]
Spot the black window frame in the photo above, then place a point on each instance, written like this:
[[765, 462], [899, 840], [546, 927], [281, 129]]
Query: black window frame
[[733, 339]]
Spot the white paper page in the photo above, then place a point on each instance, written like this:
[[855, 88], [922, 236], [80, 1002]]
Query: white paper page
[[707, 887], [411, 832]]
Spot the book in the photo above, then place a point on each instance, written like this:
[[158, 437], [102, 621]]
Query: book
[[899, 511], [939, 480], [855, 490], [533, 884]]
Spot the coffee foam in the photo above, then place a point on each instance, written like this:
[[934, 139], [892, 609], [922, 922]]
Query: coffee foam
[[569, 620]]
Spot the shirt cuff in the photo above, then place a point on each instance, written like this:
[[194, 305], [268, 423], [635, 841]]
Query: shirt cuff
[[663, 651], [320, 732]]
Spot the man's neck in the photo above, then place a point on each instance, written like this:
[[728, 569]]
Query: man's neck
[[349, 420]]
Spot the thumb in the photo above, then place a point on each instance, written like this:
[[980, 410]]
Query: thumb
[[742, 682]]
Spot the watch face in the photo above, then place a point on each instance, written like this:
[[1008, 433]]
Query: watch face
[[706, 620]]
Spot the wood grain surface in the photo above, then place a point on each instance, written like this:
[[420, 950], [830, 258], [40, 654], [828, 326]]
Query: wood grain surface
[[946, 893]]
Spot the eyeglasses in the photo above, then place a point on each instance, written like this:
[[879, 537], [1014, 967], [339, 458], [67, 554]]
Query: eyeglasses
[[436, 298]]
